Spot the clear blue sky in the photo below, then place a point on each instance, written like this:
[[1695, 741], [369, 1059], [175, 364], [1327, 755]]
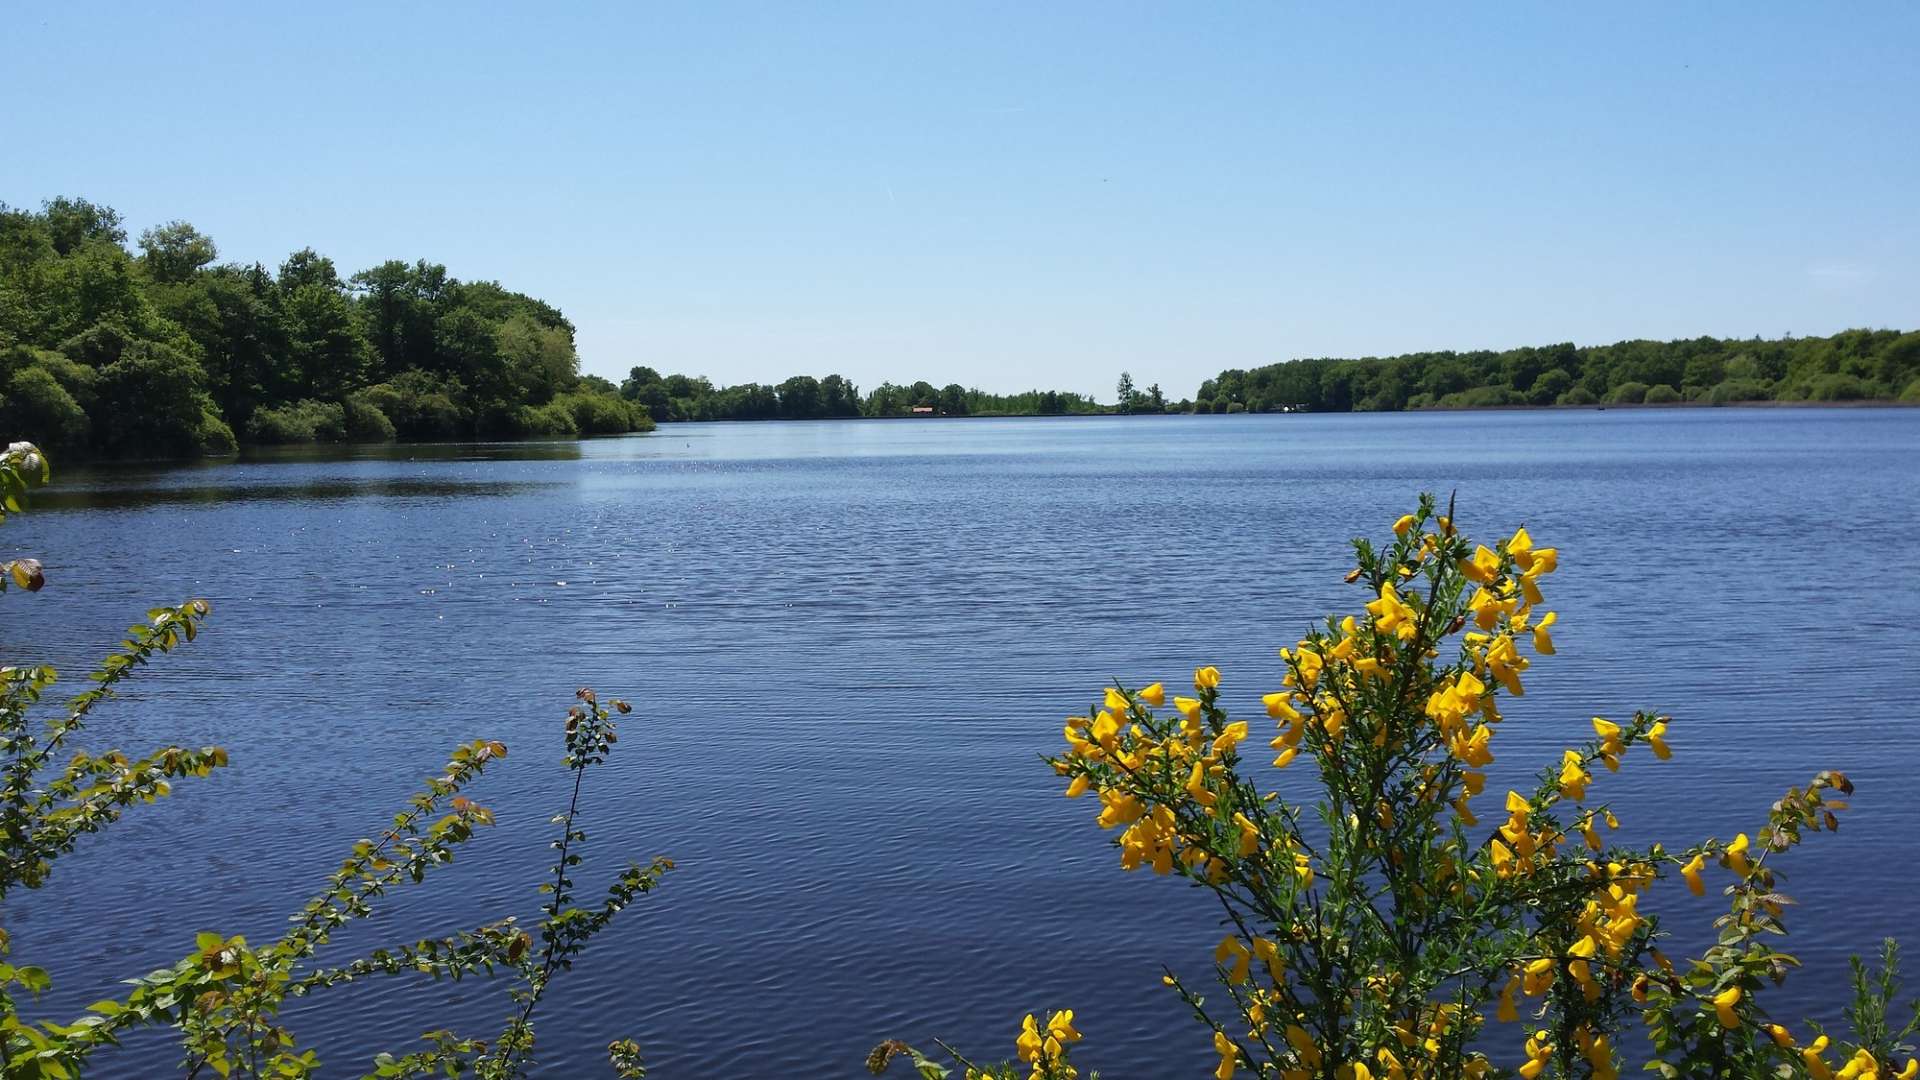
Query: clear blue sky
[[1021, 194]]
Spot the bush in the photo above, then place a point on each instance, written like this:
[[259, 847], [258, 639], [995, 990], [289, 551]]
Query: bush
[[1482, 397], [420, 407], [303, 422], [1837, 387], [1385, 930], [1422, 400], [1661, 394], [1737, 390], [604, 414], [1628, 393], [1579, 395], [365, 422], [1912, 392], [154, 405], [214, 437], [1235, 407], [225, 996], [552, 420], [37, 407], [1548, 387]]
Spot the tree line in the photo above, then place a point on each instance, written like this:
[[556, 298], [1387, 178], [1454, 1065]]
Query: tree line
[[804, 397], [1855, 365], [164, 350]]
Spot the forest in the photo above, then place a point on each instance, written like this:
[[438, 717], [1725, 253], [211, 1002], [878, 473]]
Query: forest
[[803, 397], [163, 350], [1856, 365]]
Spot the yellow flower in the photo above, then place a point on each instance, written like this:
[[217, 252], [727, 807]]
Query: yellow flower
[[1116, 701], [1391, 615], [1610, 744], [1723, 1003], [1229, 1054], [1060, 1026], [1735, 857], [1481, 567], [1780, 1036], [1506, 1013], [1028, 1044], [1542, 642], [1691, 872], [1811, 1056], [1197, 789], [1233, 956], [1539, 1052], [1077, 786], [1155, 695], [1536, 976], [1303, 1046], [1280, 707], [1401, 526], [1206, 678], [1106, 730], [1234, 735], [1657, 739], [1573, 776], [1249, 834], [1189, 707], [1521, 548]]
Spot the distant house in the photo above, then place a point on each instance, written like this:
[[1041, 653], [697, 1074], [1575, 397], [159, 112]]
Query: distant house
[[923, 410]]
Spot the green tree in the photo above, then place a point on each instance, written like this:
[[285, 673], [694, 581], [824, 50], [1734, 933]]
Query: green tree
[[174, 251], [953, 400]]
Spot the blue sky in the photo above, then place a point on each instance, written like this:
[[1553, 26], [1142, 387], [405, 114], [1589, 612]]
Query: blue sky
[[1021, 194]]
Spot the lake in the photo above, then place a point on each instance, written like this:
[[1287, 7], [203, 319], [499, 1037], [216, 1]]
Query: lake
[[848, 643]]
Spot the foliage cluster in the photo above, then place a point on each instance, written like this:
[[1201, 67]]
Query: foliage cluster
[[1850, 366], [225, 996], [1387, 931], [803, 397], [168, 352]]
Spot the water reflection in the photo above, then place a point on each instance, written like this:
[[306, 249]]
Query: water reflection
[[127, 497]]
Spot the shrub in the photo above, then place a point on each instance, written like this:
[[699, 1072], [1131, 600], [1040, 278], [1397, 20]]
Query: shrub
[[1837, 387], [1422, 400], [1481, 397], [1737, 390], [1548, 387], [1235, 407], [302, 422], [421, 407], [1579, 395], [38, 407], [213, 436], [604, 414], [1385, 931], [365, 422], [552, 420], [1661, 394], [154, 397], [1628, 393], [1912, 392], [225, 996]]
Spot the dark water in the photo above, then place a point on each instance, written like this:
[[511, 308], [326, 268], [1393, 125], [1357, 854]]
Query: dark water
[[848, 644]]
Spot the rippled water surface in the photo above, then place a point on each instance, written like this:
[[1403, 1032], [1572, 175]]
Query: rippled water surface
[[848, 644]]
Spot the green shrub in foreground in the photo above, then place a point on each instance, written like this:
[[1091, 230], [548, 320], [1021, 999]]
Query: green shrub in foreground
[[225, 997], [1387, 930]]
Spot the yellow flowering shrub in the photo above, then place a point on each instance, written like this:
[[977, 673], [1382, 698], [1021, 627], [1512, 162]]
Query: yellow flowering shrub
[[1413, 923]]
